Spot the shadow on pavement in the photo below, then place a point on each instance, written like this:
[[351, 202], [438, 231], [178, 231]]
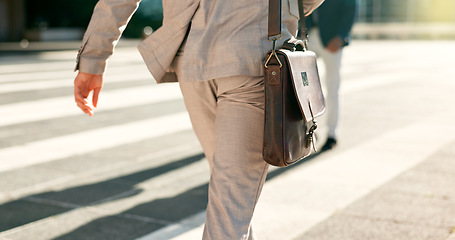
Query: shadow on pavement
[[164, 211], [130, 224], [126, 225], [35, 207]]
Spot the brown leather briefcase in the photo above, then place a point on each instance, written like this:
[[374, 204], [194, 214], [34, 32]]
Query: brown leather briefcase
[[293, 101]]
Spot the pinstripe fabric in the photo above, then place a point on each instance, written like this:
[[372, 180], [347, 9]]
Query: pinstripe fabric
[[221, 77], [227, 115], [226, 38]]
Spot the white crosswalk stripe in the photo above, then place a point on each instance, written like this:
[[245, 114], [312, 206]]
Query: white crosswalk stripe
[[84, 142], [65, 106]]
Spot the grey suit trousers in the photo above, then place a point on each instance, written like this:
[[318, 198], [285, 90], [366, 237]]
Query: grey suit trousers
[[227, 115]]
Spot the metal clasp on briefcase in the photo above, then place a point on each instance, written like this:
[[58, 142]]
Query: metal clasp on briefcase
[[273, 52]]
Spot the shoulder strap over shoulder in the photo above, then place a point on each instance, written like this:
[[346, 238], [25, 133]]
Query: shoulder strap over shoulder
[[274, 32], [274, 20]]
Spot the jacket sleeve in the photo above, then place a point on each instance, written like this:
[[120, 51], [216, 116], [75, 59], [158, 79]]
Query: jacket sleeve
[[108, 21], [310, 5], [347, 19]]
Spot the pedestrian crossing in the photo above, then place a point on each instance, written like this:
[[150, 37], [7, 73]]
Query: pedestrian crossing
[[65, 106], [87, 141], [155, 116], [21, 82], [136, 171]]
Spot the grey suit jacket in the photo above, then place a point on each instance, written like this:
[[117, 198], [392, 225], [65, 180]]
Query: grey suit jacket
[[218, 38]]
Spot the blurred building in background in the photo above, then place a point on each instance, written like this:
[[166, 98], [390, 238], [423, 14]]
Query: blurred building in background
[[380, 11], [59, 20], [404, 19]]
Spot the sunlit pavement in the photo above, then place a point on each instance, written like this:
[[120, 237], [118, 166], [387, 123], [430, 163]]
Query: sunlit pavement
[[135, 170]]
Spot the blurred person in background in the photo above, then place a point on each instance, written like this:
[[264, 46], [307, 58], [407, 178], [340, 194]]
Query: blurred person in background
[[329, 29], [215, 49]]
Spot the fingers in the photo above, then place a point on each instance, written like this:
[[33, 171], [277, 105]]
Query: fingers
[[334, 45], [82, 103], [96, 93], [332, 49], [83, 85], [78, 95], [85, 108]]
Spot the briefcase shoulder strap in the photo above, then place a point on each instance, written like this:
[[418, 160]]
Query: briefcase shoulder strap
[[274, 21]]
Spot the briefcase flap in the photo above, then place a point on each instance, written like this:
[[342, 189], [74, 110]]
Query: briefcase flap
[[305, 78]]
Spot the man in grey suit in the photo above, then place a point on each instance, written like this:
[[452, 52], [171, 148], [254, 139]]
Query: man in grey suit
[[329, 32], [218, 62]]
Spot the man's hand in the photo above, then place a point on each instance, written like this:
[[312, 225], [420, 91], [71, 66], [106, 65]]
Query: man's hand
[[83, 85], [335, 44]]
